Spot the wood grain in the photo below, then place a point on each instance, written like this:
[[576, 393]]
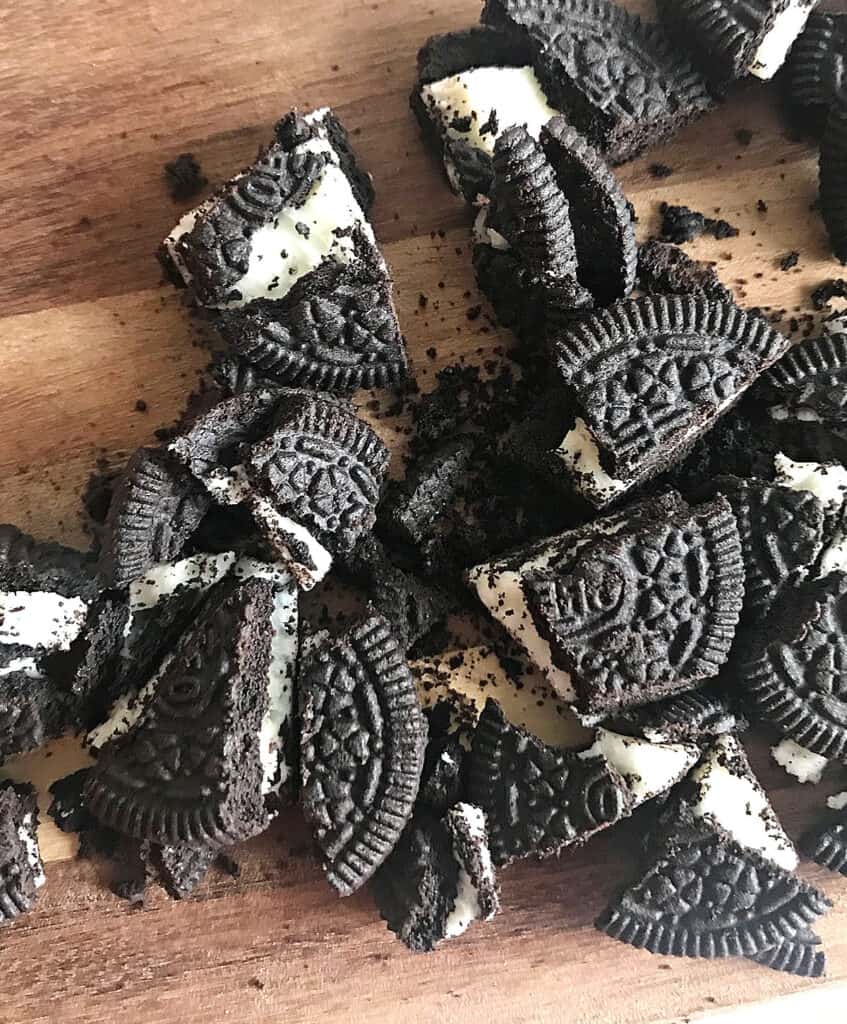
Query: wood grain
[[95, 102]]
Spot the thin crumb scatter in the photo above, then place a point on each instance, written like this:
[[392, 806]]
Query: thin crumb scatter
[[681, 224], [762, 206], [184, 177]]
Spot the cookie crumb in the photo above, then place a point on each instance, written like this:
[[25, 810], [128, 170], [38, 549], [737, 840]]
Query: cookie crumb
[[184, 177], [789, 260]]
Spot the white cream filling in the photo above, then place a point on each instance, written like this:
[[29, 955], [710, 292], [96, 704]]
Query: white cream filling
[[467, 908], [281, 670], [228, 486], [161, 581], [773, 49], [484, 235], [513, 94], [32, 852], [28, 666], [40, 618], [648, 768], [838, 802], [781, 413], [804, 765], [738, 804], [828, 483], [581, 454], [277, 529]]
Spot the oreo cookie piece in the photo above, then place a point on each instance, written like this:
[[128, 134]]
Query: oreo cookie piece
[[155, 509], [617, 79], [828, 484], [783, 532], [472, 86], [664, 269], [33, 709], [21, 869], [804, 765], [191, 766], [799, 956], [704, 895], [826, 844], [321, 466], [499, 584], [733, 38], [477, 896], [300, 205], [648, 377], [67, 806], [182, 867], [646, 613], [538, 799], [442, 780], [336, 330], [417, 887], [27, 564], [833, 173], [688, 717], [793, 670], [815, 69], [809, 383], [362, 744], [601, 219]]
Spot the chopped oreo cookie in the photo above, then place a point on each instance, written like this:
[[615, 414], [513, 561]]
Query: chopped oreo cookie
[[601, 219], [644, 614], [336, 330], [472, 86], [31, 565], [809, 383], [182, 867], [800, 956], [619, 80], [792, 670], [33, 709], [704, 895], [362, 744], [833, 177], [689, 717], [184, 177], [663, 269], [442, 780], [733, 38], [21, 869], [155, 509], [648, 377], [826, 843], [815, 70], [67, 806], [804, 765], [478, 897], [197, 757], [299, 206]]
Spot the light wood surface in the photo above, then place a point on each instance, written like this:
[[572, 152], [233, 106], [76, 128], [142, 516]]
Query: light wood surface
[[96, 96]]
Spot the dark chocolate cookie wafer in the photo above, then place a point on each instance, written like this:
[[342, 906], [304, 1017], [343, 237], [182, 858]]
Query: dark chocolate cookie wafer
[[664, 269], [321, 466], [833, 177], [21, 870], [189, 767], [34, 565], [33, 710], [696, 716], [362, 744], [155, 509], [646, 614], [810, 381], [537, 799], [182, 867], [815, 69], [706, 896], [783, 532], [604, 235], [794, 669], [800, 956], [827, 845], [416, 887], [733, 38], [336, 332], [442, 779], [648, 377], [618, 79]]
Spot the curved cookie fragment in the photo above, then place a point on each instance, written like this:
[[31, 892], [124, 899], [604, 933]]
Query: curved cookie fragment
[[189, 768], [362, 743], [799, 956], [618, 79], [733, 38], [783, 532], [664, 269], [827, 845], [538, 800], [794, 671], [338, 334], [695, 716], [21, 869], [321, 466], [604, 234], [833, 177], [706, 896], [154, 511], [645, 614], [417, 886], [810, 381], [815, 68], [648, 377]]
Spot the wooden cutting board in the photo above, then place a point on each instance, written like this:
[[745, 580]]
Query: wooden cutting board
[[96, 96]]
